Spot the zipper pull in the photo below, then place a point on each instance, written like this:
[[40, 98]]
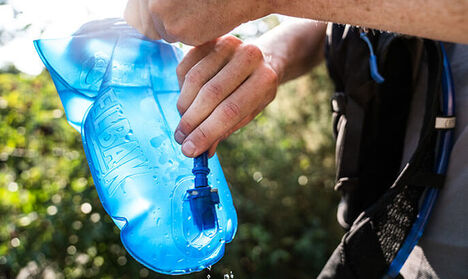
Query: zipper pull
[[374, 71]]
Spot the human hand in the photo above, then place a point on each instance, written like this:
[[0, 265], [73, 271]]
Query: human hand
[[191, 22], [224, 83]]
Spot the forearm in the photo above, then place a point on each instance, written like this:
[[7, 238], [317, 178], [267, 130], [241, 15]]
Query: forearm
[[293, 48], [441, 20]]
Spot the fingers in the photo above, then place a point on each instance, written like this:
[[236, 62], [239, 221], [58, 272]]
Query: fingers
[[148, 26], [191, 58], [138, 16], [199, 75], [200, 65], [132, 14], [248, 98], [215, 90]]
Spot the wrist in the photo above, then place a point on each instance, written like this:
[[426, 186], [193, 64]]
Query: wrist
[[276, 62], [273, 53]]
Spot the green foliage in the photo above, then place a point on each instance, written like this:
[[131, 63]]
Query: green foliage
[[280, 169]]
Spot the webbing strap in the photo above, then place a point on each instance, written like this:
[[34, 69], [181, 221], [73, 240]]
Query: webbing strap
[[426, 179], [349, 121], [350, 133]]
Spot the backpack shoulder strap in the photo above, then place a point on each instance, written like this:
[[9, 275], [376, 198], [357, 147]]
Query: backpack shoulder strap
[[375, 237], [369, 118]]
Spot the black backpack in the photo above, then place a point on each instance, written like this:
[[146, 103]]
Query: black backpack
[[380, 202]]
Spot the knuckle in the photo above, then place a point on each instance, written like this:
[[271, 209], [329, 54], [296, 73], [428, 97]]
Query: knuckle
[[170, 39], [213, 91], [270, 76], [271, 95], [174, 30], [232, 40], [230, 110], [193, 76], [202, 135], [180, 70], [227, 43], [252, 52], [155, 7], [181, 107], [185, 126]]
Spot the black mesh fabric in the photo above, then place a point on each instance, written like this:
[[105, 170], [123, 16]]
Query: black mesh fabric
[[373, 241], [395, 220]]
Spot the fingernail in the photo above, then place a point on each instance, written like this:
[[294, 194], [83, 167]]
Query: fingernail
[[188, 148], [179, 136]]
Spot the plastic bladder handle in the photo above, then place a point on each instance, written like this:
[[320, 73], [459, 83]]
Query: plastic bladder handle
[[119, 89]]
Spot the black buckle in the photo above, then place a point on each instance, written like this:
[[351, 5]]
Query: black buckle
[[346, 182], [338, 102]]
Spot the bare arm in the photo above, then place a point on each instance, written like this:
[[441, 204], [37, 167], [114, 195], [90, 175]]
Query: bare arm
[[444, 20], [197, 21], [225, 83]]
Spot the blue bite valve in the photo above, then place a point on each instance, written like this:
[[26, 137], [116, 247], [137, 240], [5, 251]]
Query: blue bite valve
[[203, 198], [201, 170]]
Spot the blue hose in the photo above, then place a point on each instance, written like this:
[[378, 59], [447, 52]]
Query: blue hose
[[374, 69], [443, 154]]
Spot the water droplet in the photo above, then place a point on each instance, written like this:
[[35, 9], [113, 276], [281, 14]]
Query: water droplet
[[208, 272], [156, 141]]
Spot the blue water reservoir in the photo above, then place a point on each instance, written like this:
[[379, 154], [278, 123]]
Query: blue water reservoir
[[119, 90]]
